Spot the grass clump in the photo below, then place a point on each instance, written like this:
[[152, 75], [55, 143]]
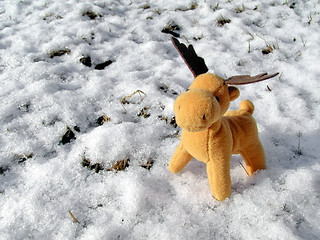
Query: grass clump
[[87, 163], [97, 167], [89, 38], [23, 157], [102, 119], [68, 136], [103, 65], [3, 169], [193, 6], [50, 16], [145, 6], [144, 112], [171, 121], [165, 89], [222, 21], [90, 14], [240, 9], [86, 61], [120, 165], [214, 8], [172, 29], [59, 53], [148, 165], [309, 19], [269, 48]]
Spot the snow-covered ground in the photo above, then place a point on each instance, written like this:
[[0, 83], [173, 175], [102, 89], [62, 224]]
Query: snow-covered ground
[[45, 89]]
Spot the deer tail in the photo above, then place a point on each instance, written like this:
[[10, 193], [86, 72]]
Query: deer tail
[[247, 106]]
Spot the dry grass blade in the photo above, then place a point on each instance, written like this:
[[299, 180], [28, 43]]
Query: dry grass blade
[[244, 168], [269, 88], [73, 217], [124, 100], [215, 8], [299, 151]]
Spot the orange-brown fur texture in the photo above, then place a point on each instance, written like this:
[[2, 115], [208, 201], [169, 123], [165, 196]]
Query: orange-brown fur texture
[[211, 134]]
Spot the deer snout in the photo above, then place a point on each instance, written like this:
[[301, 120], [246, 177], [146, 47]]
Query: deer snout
[[196, 110]]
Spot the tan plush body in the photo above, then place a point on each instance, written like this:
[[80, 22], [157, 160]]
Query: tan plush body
[[211, 134]]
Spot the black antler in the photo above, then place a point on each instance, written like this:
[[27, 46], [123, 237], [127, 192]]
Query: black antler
[[246, 79], [195, 63], [197, 66]]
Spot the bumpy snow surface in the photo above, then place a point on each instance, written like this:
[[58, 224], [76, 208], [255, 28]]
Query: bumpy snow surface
[[68, 71]]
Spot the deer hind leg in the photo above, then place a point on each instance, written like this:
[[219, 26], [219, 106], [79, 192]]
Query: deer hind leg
[[254, 157], [179, 160]]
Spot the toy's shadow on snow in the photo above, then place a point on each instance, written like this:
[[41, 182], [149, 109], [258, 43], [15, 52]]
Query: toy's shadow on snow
[[289, 150], [197, 168]]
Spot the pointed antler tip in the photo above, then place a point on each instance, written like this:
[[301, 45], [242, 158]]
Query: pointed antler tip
[[247, 79]]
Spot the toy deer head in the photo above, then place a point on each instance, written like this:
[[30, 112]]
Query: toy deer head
[[210, 133]]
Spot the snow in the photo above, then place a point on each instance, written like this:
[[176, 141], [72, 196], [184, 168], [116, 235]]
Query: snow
[[42, 180]]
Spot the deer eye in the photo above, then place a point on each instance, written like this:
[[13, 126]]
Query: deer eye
[[204, 117], [217, 99]]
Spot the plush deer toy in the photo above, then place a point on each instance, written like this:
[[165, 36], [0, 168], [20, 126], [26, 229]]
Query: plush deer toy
[[210, 133]]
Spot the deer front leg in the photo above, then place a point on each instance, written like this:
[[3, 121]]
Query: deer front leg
[[219, 178], [179, 160]]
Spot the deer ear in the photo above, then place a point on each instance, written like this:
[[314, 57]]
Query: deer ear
[[233, 93]]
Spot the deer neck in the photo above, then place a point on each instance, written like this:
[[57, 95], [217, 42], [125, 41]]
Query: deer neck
[[216, 126]]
